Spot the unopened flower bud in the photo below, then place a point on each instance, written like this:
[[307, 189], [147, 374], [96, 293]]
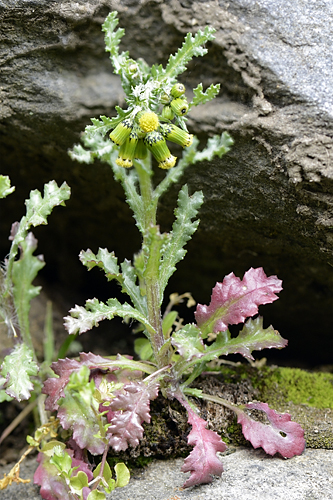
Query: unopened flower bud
[[121, 132], [167, 113], [165, 98], [140, 150], [155, 142], [175, 134], [179, 106], [127, 151], [177, 90]]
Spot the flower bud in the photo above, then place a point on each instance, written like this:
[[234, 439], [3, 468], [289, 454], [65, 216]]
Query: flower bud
[[175, 134], [179, 106], [177, 90], [140, 150], [155, 142], [121, 132], [167, 113], [127, 151], [165, 98], [148, 121]]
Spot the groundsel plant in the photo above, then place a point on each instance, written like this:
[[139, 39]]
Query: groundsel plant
[[102, 402]]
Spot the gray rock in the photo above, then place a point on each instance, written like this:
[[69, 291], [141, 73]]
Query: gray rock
[[248, 474], [268, 203]]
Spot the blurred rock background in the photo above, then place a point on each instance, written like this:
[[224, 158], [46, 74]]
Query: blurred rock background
[[269, 202]]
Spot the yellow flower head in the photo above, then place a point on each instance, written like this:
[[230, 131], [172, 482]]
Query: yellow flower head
[[148, 121]]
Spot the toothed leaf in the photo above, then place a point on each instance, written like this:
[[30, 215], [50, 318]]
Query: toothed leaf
[[234, 300], [182, 231], [5, 187], [216, 146], [131, 408], [192, 46], [25, 270], [202, 461], [85, 318], [282, 435], [17, 369], [201, 97], [104, 259]]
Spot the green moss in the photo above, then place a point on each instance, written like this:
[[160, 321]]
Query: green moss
[[298, 386]]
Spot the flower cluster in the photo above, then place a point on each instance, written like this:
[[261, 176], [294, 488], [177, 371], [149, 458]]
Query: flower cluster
[[146, 131]]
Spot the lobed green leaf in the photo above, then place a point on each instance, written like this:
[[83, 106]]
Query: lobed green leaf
[[85, 318], [182, 230], [17, 369], [25, 270], [216, 146], [5, 188], [192, 46], [201, 97]]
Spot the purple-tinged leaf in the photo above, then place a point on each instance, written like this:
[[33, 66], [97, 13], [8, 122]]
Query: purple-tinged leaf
[[79, 411], [283, 435], [234, 300], [131, 408], [202, 462], [53, 486], [54, 387]]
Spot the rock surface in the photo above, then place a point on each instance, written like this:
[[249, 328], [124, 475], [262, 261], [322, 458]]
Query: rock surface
[[248, 474], [268, 203]]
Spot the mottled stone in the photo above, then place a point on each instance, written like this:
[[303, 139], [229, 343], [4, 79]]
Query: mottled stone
[[268, 203]]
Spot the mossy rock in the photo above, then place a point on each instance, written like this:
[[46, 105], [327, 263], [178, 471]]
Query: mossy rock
[[306, 396]]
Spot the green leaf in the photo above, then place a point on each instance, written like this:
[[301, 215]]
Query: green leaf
[[122, 474], [105, 123], [216, 146], [39, 208], [96, 495], [17, 369], [85, 318], [188, 342], [182, 231], [201, 97], [130, 287], [129, 181], [78, 482], [24, 272], [192, 46], [142, 347], [107, 474], [105, 260], [112, 40], [168, 322], [5, 188], [252, 337]]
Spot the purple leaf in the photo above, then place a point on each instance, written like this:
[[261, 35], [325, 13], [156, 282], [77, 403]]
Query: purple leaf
[[282, 436], [131, 408], [234, 300], [53, 486], [202, 462], [54, 387]]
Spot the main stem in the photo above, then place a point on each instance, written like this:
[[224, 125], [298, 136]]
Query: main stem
[[151, 281]]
